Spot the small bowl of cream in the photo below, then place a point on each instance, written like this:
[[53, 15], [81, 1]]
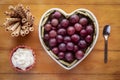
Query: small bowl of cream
[[22, 58]]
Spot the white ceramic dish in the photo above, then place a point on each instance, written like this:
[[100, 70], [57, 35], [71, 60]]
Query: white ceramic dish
[[81, 11]]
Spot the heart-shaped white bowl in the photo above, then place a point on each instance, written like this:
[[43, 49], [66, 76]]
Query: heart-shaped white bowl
[[89, 49]]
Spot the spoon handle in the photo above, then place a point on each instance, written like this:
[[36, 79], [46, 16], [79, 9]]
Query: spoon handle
[[106, 51]]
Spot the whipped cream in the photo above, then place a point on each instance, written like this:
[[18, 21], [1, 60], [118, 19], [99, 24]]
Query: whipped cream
[[23, 58]]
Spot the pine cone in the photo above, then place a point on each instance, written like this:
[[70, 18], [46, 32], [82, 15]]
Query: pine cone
[[20, 20]]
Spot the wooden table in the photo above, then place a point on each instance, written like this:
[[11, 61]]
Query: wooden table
[[92, 68]]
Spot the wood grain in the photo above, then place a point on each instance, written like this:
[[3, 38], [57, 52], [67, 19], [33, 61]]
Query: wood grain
[[60, 2], [67, 76], [92, 68]]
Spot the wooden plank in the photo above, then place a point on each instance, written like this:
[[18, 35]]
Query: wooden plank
[[110, 17], [60, 2], [93, 64], [66, 76]]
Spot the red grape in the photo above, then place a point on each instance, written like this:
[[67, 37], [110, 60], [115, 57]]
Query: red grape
[[69, 57], [78, 27], [89, 29], [56, 15], [48, 27], [59, 38], [54, 22], [67, 39], [75, 38], [82, 44], [52, 33], [55, 50], [61, 31], [52, 42], [75, 48], [83, 32], [83, 21], [70, 46], [74, 19], [64, 23], [46, 37], [61, 55], [70, 30], [62, 47], [88, 38], [79, 54]]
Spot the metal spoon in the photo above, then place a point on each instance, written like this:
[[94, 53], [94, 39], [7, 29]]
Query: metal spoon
[[106, 33]]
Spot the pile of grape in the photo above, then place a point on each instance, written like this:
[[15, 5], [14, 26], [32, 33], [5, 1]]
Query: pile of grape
[[68, 38]]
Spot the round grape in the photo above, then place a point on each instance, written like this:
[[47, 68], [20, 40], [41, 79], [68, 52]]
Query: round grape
[[61, 55], [64, 23], [67, 39], [56, 15], [46, 37], [62, 47], [70, 46], [78, 27], [61, 31], [52, 42], [75, 38], [69, 57], [79, 54], [82, 44], [74, 19], [55, 50], [88, 38], [89, 29], [52, 33], [59, 38], [83, 21], [75, 48], [54, 22], [83, 32], [70, 30], [48, 27]]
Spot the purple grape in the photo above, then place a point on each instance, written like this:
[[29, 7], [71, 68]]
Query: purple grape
[[59, 38], [75, 48], [62, 47], [61, 55], [75, 38], [74, 19], [67, 39], [48, 27], [54, 22], [79, 54], [83, 32], [89, 29], [70, 30], [52, 33], [69, 57], [70, 46], [88, 38], [78, 27], [82, 44], [61, 31], [55, 50], [56, 15], [46, 37], [52, 42], [64, 23], [83, 21]]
